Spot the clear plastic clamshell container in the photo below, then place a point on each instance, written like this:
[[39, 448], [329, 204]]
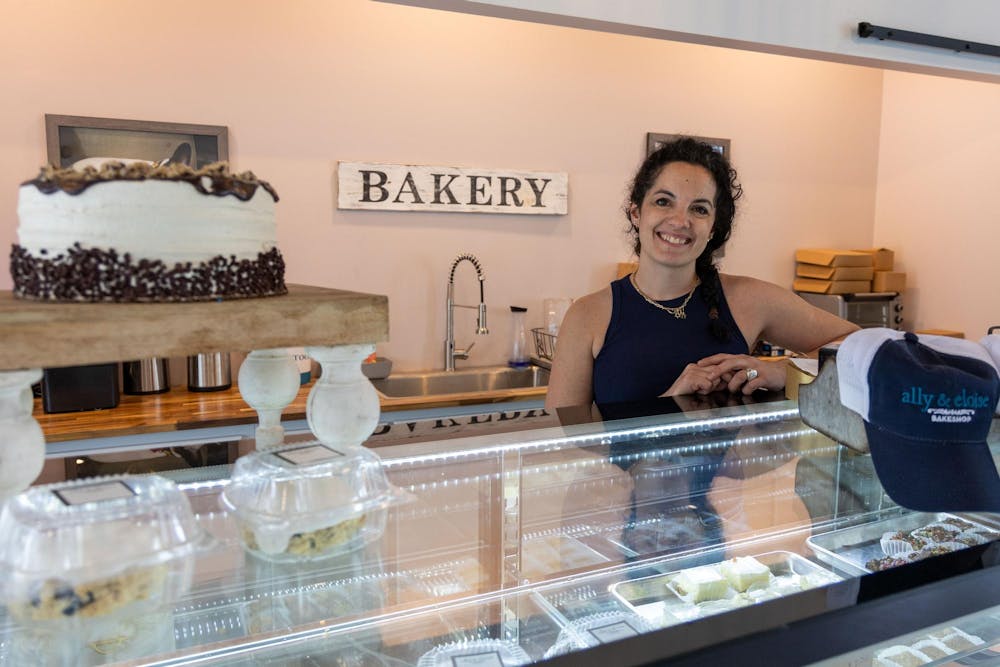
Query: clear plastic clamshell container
[[599, 628], [91, 556], [476, 653], [308, 501]]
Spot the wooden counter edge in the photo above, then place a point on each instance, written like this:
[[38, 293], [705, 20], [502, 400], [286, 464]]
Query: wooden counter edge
[[178, 410]]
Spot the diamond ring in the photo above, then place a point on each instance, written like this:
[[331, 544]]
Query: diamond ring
[[751, 374]]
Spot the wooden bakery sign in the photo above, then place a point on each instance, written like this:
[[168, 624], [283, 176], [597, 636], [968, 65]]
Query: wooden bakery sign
[[403, 187]]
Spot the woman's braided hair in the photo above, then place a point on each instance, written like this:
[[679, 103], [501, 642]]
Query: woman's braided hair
[[727, 191]]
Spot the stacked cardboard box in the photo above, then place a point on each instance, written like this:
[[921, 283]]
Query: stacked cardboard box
[[885, 278], [829, 271]]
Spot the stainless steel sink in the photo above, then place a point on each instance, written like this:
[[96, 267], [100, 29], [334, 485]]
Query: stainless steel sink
[[463, 380]]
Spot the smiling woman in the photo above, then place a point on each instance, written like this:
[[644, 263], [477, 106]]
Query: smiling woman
[[675, 325]]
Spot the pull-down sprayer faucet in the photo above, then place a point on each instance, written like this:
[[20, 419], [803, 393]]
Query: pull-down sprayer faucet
[[450, 352]]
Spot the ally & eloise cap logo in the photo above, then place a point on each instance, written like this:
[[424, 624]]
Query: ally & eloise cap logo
[[927, 403]]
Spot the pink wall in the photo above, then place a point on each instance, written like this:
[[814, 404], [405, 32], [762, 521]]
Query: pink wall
[[937, 191], [304, 84]]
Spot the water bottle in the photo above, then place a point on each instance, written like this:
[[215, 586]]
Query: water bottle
[[518, 357]]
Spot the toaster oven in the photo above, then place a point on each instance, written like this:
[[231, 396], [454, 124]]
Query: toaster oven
[[866, 309]]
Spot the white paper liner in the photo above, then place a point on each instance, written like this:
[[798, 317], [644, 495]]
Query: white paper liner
[[934, 649], [960, 640], [932, 549], [975, 537], [937, 532], [893, 546]]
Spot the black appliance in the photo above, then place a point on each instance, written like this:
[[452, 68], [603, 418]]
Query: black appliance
[[77, 388]]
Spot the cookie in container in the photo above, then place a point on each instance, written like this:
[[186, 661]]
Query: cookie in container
[[308, 501], [87, 560]]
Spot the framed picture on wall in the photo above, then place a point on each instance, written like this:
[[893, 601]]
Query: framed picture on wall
[[654, 141], [81, 141]]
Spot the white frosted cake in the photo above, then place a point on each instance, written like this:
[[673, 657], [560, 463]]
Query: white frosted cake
[[140, 232], [701, 583], [743, 572]]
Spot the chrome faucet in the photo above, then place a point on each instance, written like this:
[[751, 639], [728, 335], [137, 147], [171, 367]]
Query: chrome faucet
[[451, 353]]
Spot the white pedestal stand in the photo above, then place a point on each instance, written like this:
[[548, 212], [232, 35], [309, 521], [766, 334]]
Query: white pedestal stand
[[22, 443], [343, 406], [268, 382]]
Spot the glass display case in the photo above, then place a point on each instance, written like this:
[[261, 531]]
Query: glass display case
[[677, 536]]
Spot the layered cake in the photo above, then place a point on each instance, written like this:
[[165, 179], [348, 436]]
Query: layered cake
[[142, 232]]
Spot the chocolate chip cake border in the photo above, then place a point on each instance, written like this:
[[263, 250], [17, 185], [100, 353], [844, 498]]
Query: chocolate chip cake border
[[101, 275], [214, 179]]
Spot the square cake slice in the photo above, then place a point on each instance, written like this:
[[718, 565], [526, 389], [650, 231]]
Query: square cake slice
[[701, 583], [743, 572]]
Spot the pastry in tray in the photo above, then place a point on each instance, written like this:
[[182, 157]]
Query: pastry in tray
[[745, 571], [900, 656], [315, 542], [957, 639], [740, 581], [56, 598], [938, 532], [879, 564], [949, 534], [930, 648], [699, 584]]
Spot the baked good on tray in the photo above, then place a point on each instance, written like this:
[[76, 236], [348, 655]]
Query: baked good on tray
[[701, 583], [314, 542], [56, 598], [949, 534], [743, 572], [141, 232]]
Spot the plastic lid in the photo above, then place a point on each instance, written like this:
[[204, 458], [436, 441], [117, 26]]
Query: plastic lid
[[291, 489], [599, 628], [475, 653], [93, 528]]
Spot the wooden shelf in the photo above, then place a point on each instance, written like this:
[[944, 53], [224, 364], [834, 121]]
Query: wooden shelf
[[47, 335]]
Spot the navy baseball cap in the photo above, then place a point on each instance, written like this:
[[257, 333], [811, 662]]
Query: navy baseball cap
[[927, 403]]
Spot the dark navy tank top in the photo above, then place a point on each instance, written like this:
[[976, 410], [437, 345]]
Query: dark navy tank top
[[645, 349]]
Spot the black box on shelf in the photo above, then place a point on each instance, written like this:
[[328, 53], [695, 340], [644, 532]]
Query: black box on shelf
[[78, 388]]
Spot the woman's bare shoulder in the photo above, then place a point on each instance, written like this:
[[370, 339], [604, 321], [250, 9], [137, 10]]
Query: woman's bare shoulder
[[746, 287], [592, 309]]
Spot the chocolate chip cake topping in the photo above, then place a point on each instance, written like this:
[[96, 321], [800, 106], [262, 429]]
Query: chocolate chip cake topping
[[93, 274], [214, 179]]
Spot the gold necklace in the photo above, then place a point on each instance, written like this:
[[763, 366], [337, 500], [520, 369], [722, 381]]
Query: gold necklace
[[676, 311]]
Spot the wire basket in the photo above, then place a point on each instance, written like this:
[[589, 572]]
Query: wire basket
[[545, 343]]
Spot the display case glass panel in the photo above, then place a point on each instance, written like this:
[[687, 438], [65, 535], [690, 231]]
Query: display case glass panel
[[703, 525]]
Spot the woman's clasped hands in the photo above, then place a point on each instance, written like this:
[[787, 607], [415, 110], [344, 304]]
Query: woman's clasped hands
[[736, 373]]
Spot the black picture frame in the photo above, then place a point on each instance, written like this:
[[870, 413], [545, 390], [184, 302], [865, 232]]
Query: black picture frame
[[654, 140], [72, 140]]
